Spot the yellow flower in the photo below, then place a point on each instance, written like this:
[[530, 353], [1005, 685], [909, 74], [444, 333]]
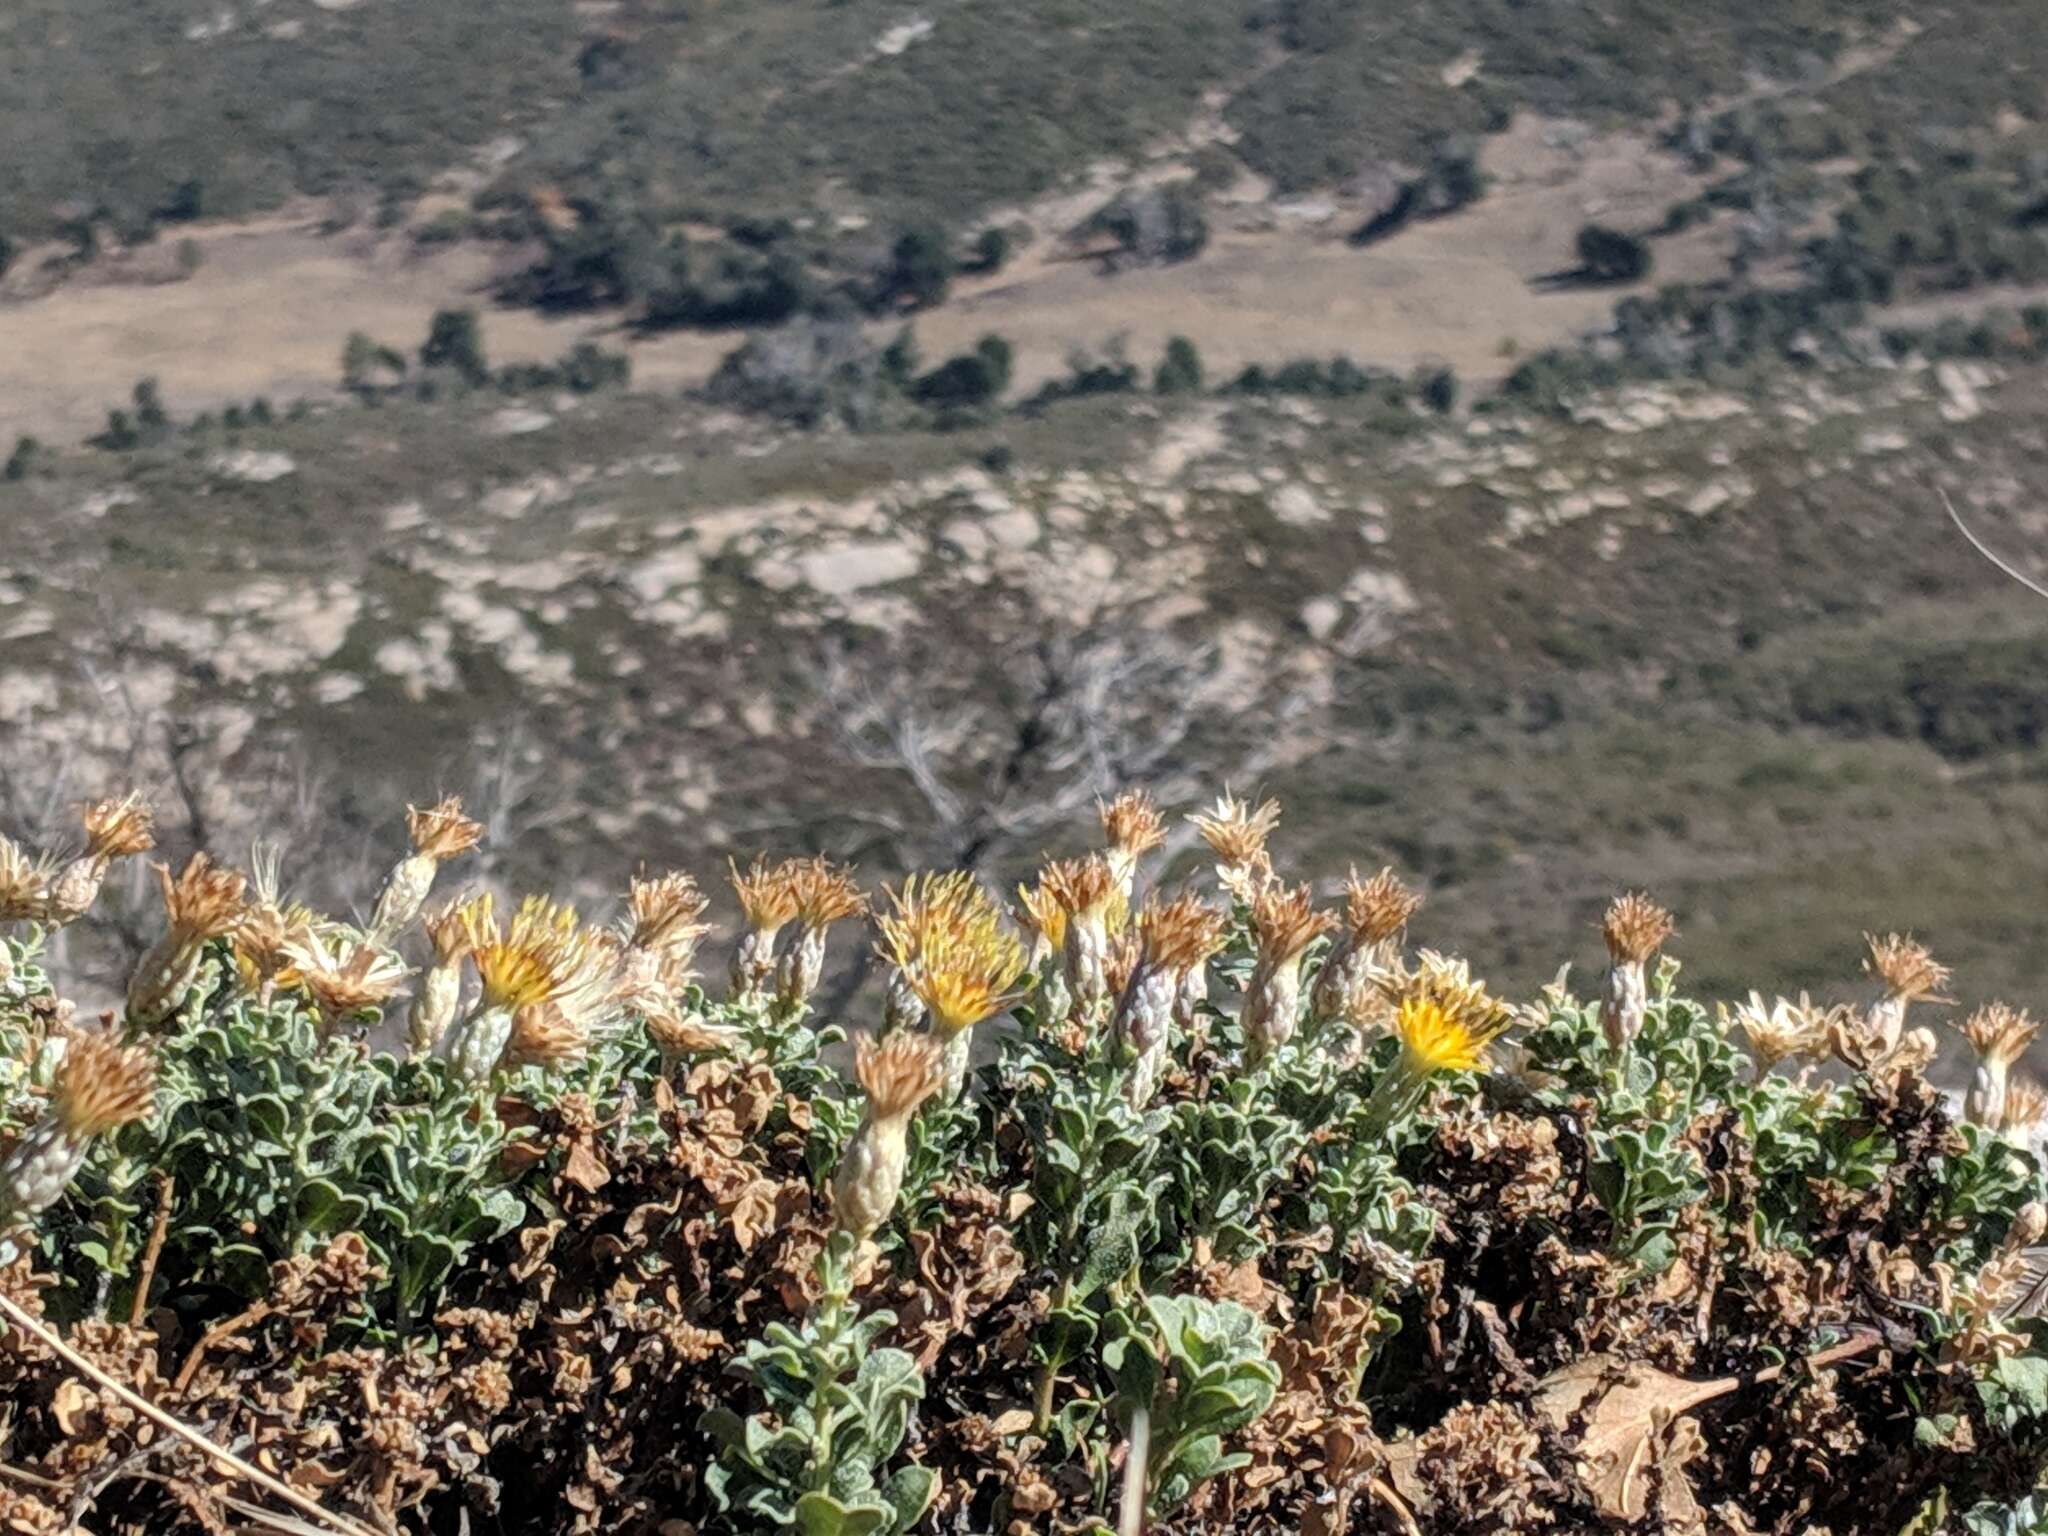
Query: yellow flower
[[1445, 1020], [544, 956], [954, 952]]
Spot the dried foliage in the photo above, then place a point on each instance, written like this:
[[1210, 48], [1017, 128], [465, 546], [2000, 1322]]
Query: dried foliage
[[1179, 1242]]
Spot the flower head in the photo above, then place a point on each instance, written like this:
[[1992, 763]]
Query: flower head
[[665, 910], [926, 908], [345, 975], [544, 956], [1635, 928], [1180, 934], [825, 893], [1445, 1020], [898, 1074], [101, 1084], [2000, 1034], [1286, 922], [967, 963], [1040, 911], [2026, 1104], [546, 1035], [1780, 1029], [441, 832], [1236, 833], [203, 901], [1376, 910], [449, 931], [115, 829], [768, 896], [1085, 889], [24, 882], [1908, 971], [1133, 826]]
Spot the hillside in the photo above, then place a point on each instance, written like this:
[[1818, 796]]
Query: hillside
[[1726, 645]]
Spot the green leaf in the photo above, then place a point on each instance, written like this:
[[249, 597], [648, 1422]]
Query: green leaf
[[819, 1514], [908, 1494]]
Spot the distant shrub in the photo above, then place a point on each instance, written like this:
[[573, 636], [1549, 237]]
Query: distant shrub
[[1164, 224], [1610, 256], [22, 459], [806, 372], [455, 341], [1180, 370]]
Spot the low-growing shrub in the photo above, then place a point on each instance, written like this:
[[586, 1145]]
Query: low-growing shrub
[[1194, 1209]]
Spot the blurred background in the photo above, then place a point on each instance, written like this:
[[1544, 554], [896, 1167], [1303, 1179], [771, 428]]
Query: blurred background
[[1511, 435]]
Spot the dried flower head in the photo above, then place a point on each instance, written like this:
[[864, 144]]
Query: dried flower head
[[1236, 832], [676, 1033], [1780, 1029], [825, 893], [1908, 971], [897, 1074], [1376, 910], [768, 896], [547, 1036], [344, 974], [115, 829], [1132, 823], [665, 910], [2000, 1034], [101, 1084], [1083, 888], [203, 901], [448, 930], [24, 882], [441, 832], [1181, 934], [544, 956], [1286, 922], [1635, 928], [2026, 1105]]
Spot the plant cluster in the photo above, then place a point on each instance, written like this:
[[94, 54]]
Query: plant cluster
[[1203, 1207]]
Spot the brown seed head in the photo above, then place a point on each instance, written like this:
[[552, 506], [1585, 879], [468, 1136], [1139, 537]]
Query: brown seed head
[[826, 892], [1181, 934], [441, 831], [1905, 967], [101, 1084], [768, 896], [2000, 1034], [1236, 832], [1378, 909], [114, 829], [899, 1074], [1286, 922], [203, 901], [665, 911], [1635, 928], [1132, 823]]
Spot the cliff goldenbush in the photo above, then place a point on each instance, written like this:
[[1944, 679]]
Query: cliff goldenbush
[[1206, 1208]]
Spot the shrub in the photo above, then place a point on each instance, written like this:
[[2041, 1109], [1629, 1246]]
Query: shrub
[[806, 372], [455, 341], [22, 459], [1180, 369], [1610, 256], [588, 1242]]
